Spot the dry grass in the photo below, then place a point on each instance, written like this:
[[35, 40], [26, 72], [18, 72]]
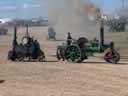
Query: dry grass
[[94, 77]]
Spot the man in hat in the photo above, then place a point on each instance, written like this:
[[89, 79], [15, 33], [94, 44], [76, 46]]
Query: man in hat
[[69, 38]]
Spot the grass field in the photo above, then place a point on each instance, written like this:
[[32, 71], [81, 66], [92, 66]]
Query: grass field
[[93, 77]]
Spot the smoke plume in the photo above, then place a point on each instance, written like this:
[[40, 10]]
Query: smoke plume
[[75, 16]]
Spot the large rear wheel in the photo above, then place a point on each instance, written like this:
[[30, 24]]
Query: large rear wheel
[[60, 54], [73, 54]]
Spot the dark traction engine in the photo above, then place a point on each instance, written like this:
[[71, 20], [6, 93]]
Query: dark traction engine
[[28, 50]]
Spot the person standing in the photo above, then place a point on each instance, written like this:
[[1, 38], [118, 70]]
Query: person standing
[[69, 38]]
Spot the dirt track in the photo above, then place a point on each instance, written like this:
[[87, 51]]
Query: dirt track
[[94, 77]]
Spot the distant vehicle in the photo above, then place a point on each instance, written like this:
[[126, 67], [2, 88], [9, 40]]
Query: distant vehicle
[[3, 31], [51, 34]]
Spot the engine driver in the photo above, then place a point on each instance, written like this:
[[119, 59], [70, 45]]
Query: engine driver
[[69, 38]]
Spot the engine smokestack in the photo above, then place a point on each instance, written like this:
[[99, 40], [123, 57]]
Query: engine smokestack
[[101, 34]]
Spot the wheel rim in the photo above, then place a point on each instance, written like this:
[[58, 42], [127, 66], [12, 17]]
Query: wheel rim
[[20, 58], [114, 58], [58, 54], [41, 58], [73, 53]]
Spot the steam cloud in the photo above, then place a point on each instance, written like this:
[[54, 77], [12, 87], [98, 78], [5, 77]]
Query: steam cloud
[[75, 16]]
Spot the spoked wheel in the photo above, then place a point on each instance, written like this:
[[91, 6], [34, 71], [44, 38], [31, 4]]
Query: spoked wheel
[[20, 58], [11, 56], [73, 54], [41, 58], [60, 54], [112, 57], [25, 40]]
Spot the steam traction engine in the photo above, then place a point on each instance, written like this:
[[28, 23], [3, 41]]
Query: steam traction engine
[[81, 49], [29, 49]]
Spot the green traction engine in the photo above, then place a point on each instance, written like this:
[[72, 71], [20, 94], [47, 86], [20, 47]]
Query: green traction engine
[[81, 49]]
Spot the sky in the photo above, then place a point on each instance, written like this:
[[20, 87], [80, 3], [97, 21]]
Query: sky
[[22, 8], [33, 8], [109, 6]]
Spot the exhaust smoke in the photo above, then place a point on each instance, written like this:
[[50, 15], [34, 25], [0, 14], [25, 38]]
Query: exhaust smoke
[[76, 16]]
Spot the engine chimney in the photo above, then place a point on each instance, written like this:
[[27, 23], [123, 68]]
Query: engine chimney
[[15, 36], [101, 34]]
